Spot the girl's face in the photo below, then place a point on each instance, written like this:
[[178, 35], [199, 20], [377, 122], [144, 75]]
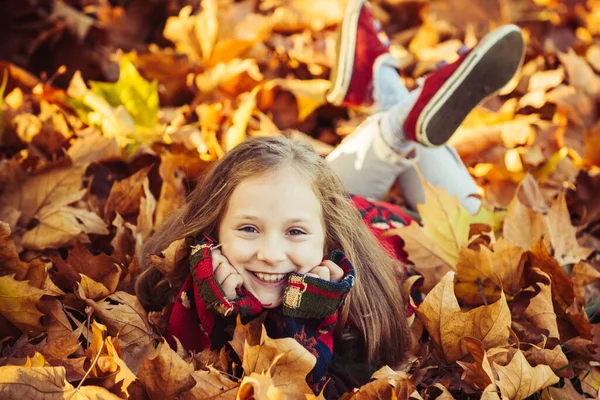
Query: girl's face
[[273, 226]]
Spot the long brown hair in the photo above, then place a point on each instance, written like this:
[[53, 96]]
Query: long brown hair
[[375, 305]]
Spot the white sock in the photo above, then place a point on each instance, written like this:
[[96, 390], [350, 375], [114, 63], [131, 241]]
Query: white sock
[[388, 89], [393, 120]]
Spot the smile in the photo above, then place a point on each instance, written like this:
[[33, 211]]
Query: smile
[[269, 278]]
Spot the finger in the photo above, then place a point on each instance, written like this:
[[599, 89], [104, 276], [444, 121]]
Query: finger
[[223, 272], [321, 272], [230, 284], [312, 275], [217, 258], [335, 271]]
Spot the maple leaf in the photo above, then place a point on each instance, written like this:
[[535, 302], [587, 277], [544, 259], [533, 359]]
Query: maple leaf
[[9, 259], [582, 275], [518, 380], [164, 374], [91, 147], [386, 384], [211, 383], [287, 361], [446, 323], [563, 234], [61, 340], [18, 302], [479, 373], [126, 319], [435, 247], [497, 270], [100, 268], [44, 202], [125, 195], [108, 360], [167, 261], [49, 382]]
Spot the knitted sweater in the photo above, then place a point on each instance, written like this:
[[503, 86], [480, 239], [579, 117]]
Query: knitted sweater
[[203, 317]]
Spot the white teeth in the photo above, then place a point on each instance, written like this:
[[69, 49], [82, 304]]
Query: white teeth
[[269, 277]]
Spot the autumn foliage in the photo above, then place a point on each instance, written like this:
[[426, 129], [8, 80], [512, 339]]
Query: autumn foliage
[[111, 111]]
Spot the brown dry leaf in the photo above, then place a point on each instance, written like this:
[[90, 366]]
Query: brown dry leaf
[[423, 253], [44, 203], [479, 373], [540, 311], [229, 76], [211, 383], [590, 380], [164, 374], [309, 94], [122, 242], [297, 15], [172, 191], [518, 380], [387, 384], [90, 289], [145, 221], [562, 286], [126, 319], [582, 275], [566, 392], [125, 195], [447, 324], [61, 340], [497, 270], [259, 386], [109, 361], [49, 382], [101, 268], [287, 360], [18, 302], [554, 358], [563, 234], [435, 247], [169, 258], [61, 227], [524, 224], [91, 146], [9, 259], [581, 75]]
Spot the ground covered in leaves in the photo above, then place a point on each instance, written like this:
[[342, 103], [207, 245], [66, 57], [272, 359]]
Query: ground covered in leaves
[[112, 110]]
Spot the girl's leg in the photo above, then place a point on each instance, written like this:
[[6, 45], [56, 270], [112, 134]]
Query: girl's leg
[[371, 158]]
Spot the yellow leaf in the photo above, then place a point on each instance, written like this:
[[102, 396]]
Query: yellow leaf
[[164, 374], [48, 383], [18, 302], [286, 359], [309, 94], [211, 383], [497, 270], [237, 132], [518, 380], [447, 324], [563, 234]]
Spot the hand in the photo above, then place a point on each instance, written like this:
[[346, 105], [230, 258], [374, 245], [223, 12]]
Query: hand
[[328, 271], [225, 274]]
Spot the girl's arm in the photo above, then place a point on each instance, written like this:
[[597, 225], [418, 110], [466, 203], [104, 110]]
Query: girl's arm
[[201, 305], [310, 308]]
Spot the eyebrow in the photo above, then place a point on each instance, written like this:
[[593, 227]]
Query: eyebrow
[[253, 218]]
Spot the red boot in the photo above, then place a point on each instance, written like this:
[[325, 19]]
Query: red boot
[[451, 92], [361, 46]]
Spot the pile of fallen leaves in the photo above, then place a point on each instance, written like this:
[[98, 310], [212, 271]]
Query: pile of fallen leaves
[[111, 111]]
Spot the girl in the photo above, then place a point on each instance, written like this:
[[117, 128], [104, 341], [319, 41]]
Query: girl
[[271, 228]]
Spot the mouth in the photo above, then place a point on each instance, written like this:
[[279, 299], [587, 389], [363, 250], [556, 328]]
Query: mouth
[[269, 278]]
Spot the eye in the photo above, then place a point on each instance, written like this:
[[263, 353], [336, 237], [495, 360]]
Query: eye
[[296, 232], [248, 229]]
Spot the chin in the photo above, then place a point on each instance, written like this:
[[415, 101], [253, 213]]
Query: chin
[[272, 303]]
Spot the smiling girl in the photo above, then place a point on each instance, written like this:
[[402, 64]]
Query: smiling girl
[[271, 228]]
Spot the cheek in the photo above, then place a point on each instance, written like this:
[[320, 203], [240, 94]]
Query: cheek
[[308, 257]]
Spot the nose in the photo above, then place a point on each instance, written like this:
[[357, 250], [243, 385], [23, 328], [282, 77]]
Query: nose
[[271, 250]]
